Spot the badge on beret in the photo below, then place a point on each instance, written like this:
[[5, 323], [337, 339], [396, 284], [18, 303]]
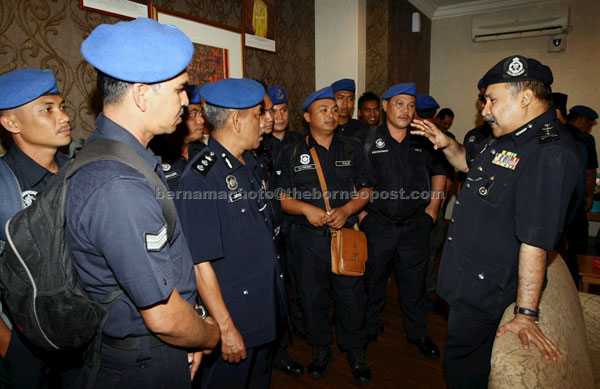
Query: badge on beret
[[515, 67], [506, 159], [231, 181], [304, 159], [280, 95], [380, 143]]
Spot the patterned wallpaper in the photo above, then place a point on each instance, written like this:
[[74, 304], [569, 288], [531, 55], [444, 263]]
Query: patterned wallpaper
[[394, 53], [48, 34]]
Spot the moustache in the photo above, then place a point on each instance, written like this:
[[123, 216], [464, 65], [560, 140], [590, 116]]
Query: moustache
[[490, 119]]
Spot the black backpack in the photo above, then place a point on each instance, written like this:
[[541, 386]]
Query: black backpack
[[38, 282]]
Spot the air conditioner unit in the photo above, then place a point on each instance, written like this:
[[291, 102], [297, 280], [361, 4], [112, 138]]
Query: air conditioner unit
[[521, 22]]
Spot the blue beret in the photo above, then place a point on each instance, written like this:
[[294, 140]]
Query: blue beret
[[584, 111], [277, 94], [325, 93], [559, 100], [409, 88], [25, 85], [426, 102], [517, 68], [193, 92], [141, 50], [236, 93], [343, 84], [480, 83]]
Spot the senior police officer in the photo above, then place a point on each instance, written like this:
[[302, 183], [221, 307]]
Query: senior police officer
[[237, 268], [33, 112], [115, 227], [509, 213], [344, 91], [398, 220], [177, 148], [345, 173]]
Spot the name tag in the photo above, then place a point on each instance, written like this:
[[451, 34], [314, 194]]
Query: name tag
[[343, 163], [379, 151], [311, 166], [235, 196], [168, 176]]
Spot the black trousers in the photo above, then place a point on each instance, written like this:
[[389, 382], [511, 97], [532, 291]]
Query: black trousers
[[254, 372], [407, 248], [21, 368], [316, 283], [290, 264], [468, 349]]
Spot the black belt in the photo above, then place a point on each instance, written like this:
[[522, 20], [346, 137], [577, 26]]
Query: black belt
[[131, 342], [396, 222]]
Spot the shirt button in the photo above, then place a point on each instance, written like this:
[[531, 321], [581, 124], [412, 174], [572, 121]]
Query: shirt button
[[452, 220], [529, 125], [243, 210], [457, 203], [246, 292], [266, 219], [479, 168], [467, 185], [481, 276], [450, 238], [279, 256], [281, 276], [493, 151]]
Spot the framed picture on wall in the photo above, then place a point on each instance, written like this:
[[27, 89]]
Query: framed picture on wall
[[260, 24], [219, 49], [126, 9]]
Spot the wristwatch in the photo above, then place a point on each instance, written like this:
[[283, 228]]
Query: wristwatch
[[527, 312]]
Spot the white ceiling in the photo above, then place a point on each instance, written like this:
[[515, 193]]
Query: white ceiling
[[438, 9]]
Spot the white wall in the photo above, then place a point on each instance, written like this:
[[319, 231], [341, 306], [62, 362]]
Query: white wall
[[340, 42]]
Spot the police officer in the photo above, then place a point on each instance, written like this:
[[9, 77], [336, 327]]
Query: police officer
[[178, 148], [33, 112], [580, 121], [369, 109], [344, 171], [115, 227], [397, 222], [344, 91], [237, 268], [281, 134], [509, 213]]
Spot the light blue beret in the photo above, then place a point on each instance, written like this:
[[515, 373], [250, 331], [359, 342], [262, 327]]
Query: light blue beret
[[236, 93], [277, 94], [325, 93], [193, 92], [426, 102], [141, 50], [22, 86], [409, 88], [343, 84], [584, 111]]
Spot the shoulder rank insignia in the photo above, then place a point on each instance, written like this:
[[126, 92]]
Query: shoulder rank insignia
[[204, 163], [548, 133], [506, 159]]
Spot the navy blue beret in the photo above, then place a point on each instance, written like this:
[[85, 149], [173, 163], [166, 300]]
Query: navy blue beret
[[480, 83], [141, 50], [517, 68], [584, 111], [426, 102], [409, 88], [22, 86], [236, 93], [277, 94], [193, 92], [325, 93], [343, 84]]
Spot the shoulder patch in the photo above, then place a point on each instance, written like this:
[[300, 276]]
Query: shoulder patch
[[204, 163], [548, 133]]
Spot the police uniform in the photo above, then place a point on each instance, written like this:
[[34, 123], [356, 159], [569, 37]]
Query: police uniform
[[352, 127], [115, 226], [344, 170], [234, 231], [397, 226], [516, 191], [21, 178]]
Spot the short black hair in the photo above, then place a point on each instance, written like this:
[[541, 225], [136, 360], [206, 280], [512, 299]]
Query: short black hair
[[445, 112], [368, 96], [111, 89]]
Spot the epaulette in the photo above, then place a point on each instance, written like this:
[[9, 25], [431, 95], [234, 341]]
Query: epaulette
[[204, 163], [548, 133]]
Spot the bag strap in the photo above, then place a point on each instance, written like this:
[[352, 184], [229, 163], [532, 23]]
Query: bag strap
[[107, 149], [315, 157]]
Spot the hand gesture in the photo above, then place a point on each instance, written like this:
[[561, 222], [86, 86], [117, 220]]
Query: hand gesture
[[430, 131], [528, 331]]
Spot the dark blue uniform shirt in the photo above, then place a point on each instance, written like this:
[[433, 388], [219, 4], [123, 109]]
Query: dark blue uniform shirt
[[228, 221], [117, 234], [517, 191], [402, 171], [351, 128], [343, 166]]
